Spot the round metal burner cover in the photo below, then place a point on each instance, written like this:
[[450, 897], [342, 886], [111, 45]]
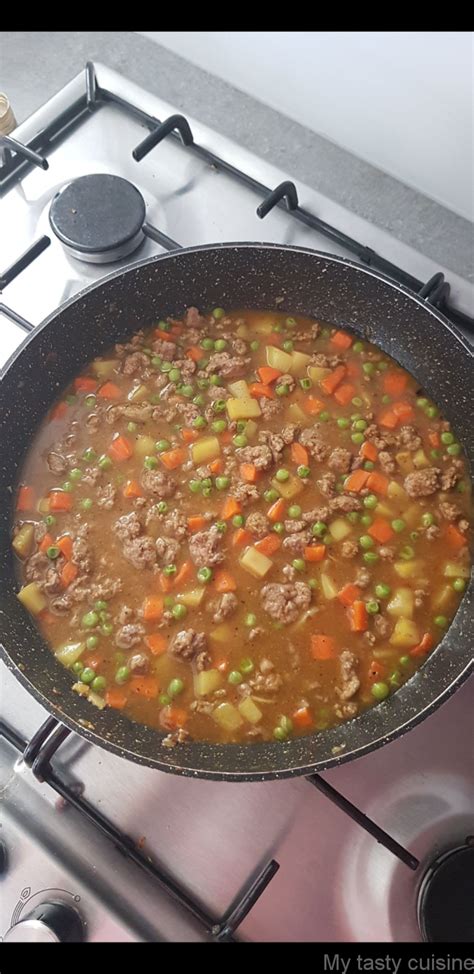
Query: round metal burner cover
[[446, 898], [98, 217]]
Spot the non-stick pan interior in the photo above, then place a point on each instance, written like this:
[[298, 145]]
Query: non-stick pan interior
[[230, 276]]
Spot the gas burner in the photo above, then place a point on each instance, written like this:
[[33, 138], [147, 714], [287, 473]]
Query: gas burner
[[98, 218], [446, 897]]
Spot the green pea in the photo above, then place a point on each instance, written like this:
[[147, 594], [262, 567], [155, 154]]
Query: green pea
[[324, 416], [90, 620], [162, 507], [414, 535], [421, 402], [360, 424], [370, 557], [461, 487], [382, 366], [90, 401], [187, 391], [319, 529], [235, 677], [87, 675], [77, 667], [221, 526], [366, 520], [447, 438], [459, 585], [368, 465], [240, 440], [203, 383], [382, 591], [199, 423], [306, 384], [92, 642], [282, 390], [218, 313], [294, 510], [290, 322], [352, 517], [380, 691], [169, 570], [432, 412], [343, 423], [88, 455], [164, 700], [395, 679], [156, 361], [366, 541], [168, 601], [357, 401], [355, 417], [372, 607], [162, 445], [279, 527], [104, 462], [67, 486], [218, 426], [435, 454], [238, 520], [175, 687], [404, 661], [357, 438], [299, 564], [220, 344], [150, 463], [100, 605], [368, 368], [164, 325], [286, 724], [179, 611], [86, 504], [195, 486], [312, 582], [358, 347], [204, 575], [427, 520], [398, 525], [407, 553], [288, 346], [166, 366], [303, 471], [207, 344], [99, 683], [271, 495], [279, 734], [441, 622], [106, 628], [277, 328], [246, 665], [222, 483], [71, 400], [53, 552], [454, 450], [122, 675], [50, 520], [254, 346], [250, 619], [282, 475], [218, 405]]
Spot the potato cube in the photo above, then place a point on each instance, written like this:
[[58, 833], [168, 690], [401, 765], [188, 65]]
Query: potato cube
[[206, 682], [205, 449], [227, 716], [243, 408], [405, 634], [300, 362], [255, 562], [289, 488], [249, 710], [278, 359], [32, 598]]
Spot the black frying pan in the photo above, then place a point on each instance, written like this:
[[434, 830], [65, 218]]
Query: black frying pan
[[262, 276]]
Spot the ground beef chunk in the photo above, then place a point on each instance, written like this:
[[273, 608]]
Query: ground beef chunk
[[266, 682], [127, 527], [289, 433], [340, 460], [311, 438], [362, 578], [40, 531], [274, 442], [81, 554], [56, 463], [224, 607], [217, 392], [260, 456], [257, 524], [346, 710], [450, 477], [382, 626], [381, 441], [287, 380], [179, 736], [176, 525], [284, 603], [137, 362], [432, 532], [316, 514], [140, 552], [189, 412], [244, 493], [449, 511], [129, 635], [349, 549], [186, 366], [193, 319], [296, 543], [158, 483], [36, 566], [167, 550], [255, 633], [139, 663], [187, 644], [106, 496], [344, 504], [125, 615], [327, 484], [91, 476], [408, 438], [387, 552], [166, 349], [204, 547], [386, 462], [52, 583], [421, 483], [62, 604], [227, 366], [325, 361], [270, 407], [106, 588], [293, 526], [350, 682]]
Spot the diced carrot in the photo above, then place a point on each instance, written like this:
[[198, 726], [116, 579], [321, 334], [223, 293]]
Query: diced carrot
[[377, 482], [196, 523], [120, 449], [376, 671], [389, 419], [68, 574], [258, 389], [380, 530], [189, 436], [274, 339], [116, 697], [331, 381], [109, 391], [345, 393], [59, 410], [302, 718], [226, 437], [424, 646], [349, 594], [268, 545], [224, 581], [454, 537], [267, 374], [277, 511], [156, 643], [64, 544], [174, 717], [26, 499], [314, 552], [165, 583], [216, 466], [132, 489], [231, 507], [84, 383], [312, 406], [240, 538], [368, 451], [434, 438], [323, 647], [94, 660], [221, 664], [145, 686], [353, 370], [341, 340], [152, 608], [403, 411], [45, 543], [183, 574], [299, 454], [177, 329], [174, 458], [356, 480], [358, 616], [59, 500], [249, 473], [394, 382], [195, 353], [164, 336]]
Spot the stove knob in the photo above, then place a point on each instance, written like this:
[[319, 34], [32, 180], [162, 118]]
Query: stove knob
[[48, 923]]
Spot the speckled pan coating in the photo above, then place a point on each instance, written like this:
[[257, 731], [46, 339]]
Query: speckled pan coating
[[229, 275]]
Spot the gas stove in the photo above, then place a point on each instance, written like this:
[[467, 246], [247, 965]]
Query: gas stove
[[93, 847]]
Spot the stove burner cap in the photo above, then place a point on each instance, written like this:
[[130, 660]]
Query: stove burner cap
[[446, 898], [98, 218]]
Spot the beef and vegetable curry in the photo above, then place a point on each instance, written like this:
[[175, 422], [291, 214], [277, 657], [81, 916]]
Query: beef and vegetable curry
[[244, 526]]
